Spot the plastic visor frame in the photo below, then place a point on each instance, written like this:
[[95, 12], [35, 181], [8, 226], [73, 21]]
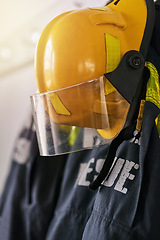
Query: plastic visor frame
[[79, 117]]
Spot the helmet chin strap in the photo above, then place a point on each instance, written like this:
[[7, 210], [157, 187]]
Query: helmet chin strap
[[130, 125], [125, 134]]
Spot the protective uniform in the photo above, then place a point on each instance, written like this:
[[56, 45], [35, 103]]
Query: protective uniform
[[48, 197]]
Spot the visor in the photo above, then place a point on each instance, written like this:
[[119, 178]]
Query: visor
[[78, 117]]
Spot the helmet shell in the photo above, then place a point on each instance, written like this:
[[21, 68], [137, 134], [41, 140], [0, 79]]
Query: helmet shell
[[72, 47]]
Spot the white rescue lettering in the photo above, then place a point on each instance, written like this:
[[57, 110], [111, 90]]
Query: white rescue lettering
[[125, 174], [120, 173], [87, 168], [136, 138], [21, 151]]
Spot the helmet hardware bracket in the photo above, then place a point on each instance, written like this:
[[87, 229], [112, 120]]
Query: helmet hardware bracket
[[125, 78]]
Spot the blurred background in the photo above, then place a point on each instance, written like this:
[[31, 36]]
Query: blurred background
[[21, 23]]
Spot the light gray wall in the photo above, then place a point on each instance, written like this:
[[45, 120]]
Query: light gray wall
[[15, 91]]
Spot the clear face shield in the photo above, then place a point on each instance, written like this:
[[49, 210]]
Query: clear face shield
[[78, 117]]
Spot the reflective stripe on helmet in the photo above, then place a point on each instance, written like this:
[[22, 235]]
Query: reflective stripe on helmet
[[58, 105], [113, 56], [113, 52]]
